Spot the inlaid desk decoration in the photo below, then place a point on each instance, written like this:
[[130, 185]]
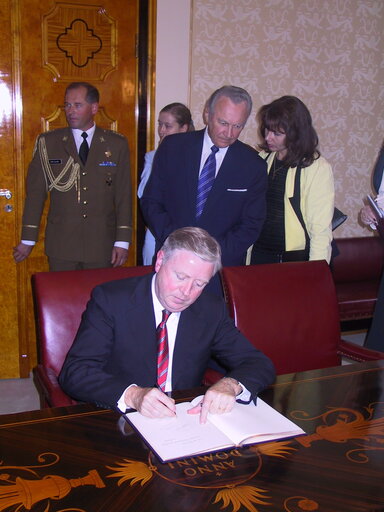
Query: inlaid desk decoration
[[85, 459]]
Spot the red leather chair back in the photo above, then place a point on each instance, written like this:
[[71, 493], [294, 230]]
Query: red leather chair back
[[359, 259], [287, 310], [60, 299]]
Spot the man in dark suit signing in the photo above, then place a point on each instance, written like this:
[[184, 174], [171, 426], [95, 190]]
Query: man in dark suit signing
[[116, 358], [85, 170], [228, 199]]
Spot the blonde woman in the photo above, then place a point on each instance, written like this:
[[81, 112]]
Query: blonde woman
[[173, 118]]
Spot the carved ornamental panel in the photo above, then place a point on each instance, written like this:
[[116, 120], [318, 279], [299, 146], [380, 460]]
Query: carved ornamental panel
[[79, 42]]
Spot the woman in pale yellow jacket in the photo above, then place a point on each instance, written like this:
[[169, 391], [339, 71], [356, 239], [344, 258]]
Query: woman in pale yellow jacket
[[300, 195]]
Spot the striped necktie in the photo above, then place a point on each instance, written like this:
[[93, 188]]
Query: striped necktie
[[162, 350], [206, 179]]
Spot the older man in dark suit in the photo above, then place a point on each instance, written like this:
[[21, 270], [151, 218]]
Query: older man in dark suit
[[116, 358], [210, 179], [86, 171]]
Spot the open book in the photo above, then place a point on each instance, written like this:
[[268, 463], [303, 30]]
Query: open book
[[183, 435], [379, 214]]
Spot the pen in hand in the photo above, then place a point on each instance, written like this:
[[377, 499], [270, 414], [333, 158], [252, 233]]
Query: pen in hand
[[167, 404], [150, 402]]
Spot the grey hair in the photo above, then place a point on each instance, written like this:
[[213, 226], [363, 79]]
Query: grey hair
[[235, 94], [195, 240]]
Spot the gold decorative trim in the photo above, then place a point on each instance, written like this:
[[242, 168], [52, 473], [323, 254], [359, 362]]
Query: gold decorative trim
[[326, 377], [25, 492], [54, 418], [151, 74], [22, 277]]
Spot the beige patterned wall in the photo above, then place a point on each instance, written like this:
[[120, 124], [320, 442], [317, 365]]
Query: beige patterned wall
[[330, 53]]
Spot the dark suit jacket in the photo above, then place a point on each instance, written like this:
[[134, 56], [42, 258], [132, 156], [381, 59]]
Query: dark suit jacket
[[235, 209], [378, 171], [116, 345], [83, 222], [375, 337]]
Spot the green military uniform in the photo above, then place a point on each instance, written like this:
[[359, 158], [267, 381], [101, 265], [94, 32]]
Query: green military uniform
[[90, 205]]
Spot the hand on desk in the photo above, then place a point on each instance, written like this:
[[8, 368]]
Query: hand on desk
[[150, 402], [219, 398], [153, 403]]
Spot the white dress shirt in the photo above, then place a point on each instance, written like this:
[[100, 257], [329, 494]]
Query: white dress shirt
[[79, 139]]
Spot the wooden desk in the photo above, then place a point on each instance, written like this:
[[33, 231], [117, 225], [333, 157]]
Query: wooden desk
[[88, 460]]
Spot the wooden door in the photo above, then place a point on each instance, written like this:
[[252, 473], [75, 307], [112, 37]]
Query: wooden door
[[45, 45]]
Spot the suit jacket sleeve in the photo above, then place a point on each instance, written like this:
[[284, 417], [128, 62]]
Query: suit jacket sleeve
[[153, 201], [115, 345], [36, 195], [206, 330], [378, 171]]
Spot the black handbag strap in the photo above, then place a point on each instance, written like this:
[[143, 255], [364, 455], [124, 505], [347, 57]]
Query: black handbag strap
[[295, 202]]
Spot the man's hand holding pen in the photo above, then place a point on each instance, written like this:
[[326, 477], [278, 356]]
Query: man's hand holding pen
[[151, 402]]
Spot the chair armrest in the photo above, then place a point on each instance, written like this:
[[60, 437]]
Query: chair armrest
[[51, 394], [358, 353]]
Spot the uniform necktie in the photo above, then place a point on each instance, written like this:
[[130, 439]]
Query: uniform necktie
[[162, 350], [84, 148], [207, 176]]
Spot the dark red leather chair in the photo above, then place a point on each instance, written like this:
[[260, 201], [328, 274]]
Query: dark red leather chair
[[290, 312], [60, 299], [357, 271]]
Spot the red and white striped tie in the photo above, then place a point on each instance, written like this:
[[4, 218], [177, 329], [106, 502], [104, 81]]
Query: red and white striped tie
[[162, 350]]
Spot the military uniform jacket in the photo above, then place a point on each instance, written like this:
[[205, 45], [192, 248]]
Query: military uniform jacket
[[90, 205]]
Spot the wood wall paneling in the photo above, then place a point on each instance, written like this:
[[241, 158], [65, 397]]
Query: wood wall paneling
[[44, 45]]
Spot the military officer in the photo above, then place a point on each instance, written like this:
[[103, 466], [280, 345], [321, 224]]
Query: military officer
[[85, 170]]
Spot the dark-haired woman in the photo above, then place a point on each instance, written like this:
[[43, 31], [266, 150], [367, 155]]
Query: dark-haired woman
[[300, 195], [173, 118]]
